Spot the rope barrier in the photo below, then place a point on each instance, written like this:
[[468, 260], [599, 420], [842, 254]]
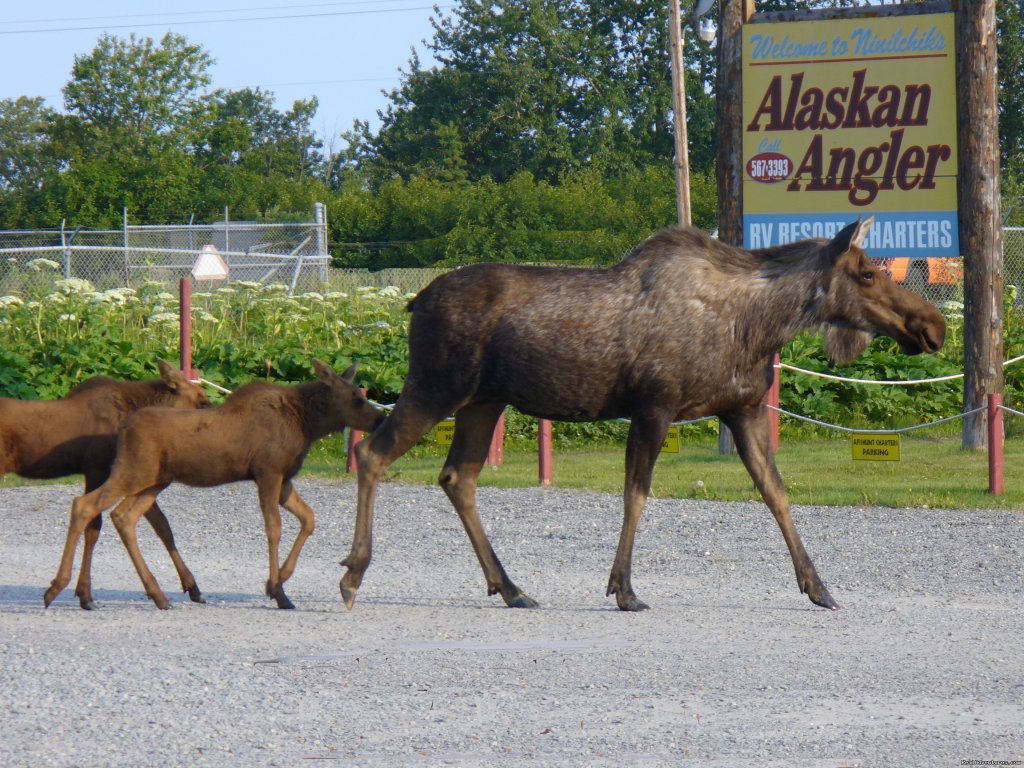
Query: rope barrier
[[908, 382], [852, 430]]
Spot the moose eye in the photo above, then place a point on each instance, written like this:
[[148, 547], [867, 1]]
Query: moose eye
[[867, 276]]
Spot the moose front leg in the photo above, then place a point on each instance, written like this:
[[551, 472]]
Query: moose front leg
[[753, 443], [646, 434]]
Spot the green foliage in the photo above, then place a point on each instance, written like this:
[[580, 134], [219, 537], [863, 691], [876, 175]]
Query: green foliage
[[64, 331]]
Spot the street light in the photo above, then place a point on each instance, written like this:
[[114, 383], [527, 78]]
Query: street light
[[706, 30]]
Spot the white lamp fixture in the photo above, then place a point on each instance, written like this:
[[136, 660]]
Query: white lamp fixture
[[706, 29]]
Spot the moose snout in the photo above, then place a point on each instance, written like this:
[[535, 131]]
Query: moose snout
[[928, 330]]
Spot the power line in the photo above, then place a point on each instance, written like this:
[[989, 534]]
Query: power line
[[192, 13], [224, 21]]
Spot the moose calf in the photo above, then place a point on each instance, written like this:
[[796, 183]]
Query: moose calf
[[262, 432], [77, 434]]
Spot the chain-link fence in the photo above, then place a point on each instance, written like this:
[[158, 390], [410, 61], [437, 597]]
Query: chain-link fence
[[291, 253], [296, 255]]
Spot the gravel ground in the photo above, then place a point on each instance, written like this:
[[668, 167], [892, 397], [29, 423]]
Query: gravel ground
[[922, 666]]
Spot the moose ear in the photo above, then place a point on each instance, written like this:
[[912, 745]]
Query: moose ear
[[850, 236]]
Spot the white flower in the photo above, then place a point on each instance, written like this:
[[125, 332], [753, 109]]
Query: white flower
[[37, 265], [206, 316], [312, 296], [73, 285], [390, 292], [10, 301], [55, 298], [226, 290], [275, 288], [165, 296], [365, 289], [68, 317], [164, 317], [336, 296], [251, 284]]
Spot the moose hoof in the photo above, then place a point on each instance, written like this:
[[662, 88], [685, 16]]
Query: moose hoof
[[521, 600], [49, 596], [284, 603], [630, 603], [824, 599], [348, 594], [195, 595], [89, 605], [162, 602]]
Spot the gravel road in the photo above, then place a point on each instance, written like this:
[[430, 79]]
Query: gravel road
[[922, 666]]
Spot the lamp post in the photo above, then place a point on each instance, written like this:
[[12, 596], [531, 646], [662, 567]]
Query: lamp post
[[706, 30]]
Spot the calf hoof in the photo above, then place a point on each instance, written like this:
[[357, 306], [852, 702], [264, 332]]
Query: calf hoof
[[161, 602], [195, 595], [89, 605], [50, 595], [285, 603]]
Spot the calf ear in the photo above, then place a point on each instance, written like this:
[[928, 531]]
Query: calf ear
[[323, 371], [172, 376], [848, 237], [350, 373]]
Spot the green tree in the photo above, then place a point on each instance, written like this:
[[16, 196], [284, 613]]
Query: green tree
[[132, 112], [28, 167]]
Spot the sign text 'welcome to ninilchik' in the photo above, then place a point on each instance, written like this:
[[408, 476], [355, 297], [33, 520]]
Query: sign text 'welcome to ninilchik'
[[846, 118]]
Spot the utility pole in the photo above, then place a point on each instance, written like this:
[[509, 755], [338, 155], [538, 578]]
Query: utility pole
[[981, 230], [682, 151]]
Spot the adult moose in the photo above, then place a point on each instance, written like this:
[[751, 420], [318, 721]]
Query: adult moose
[[683, 327], [77, 434], [262, 432]]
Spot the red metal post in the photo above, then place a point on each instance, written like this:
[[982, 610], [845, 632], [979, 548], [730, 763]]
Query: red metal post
[[354, 436], [544, 451], [995, 444], [185, 326], [496, 453]]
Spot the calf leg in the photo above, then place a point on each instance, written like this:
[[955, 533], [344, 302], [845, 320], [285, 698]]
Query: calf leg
[[83, 588], [474, 427], [398, 433], [753, 442], [84, 510], [646, 434], [126, 518], [156, 518], [295, 504], [270, 491]]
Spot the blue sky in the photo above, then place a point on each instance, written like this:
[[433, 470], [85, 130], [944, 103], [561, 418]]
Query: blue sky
[[344, 53]]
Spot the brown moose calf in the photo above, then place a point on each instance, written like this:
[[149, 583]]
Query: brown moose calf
[[262, 432], [77, 434]]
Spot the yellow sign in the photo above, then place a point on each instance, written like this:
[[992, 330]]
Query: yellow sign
[[870, 448], [671, 444], [852, 117], [444, 432]]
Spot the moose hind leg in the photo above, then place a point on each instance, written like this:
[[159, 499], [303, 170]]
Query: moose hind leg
[[474, 426], [83, 510], [753, 443], [156, 518]]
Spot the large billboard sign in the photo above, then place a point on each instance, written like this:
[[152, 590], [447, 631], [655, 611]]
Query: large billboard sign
[[851, 117]]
